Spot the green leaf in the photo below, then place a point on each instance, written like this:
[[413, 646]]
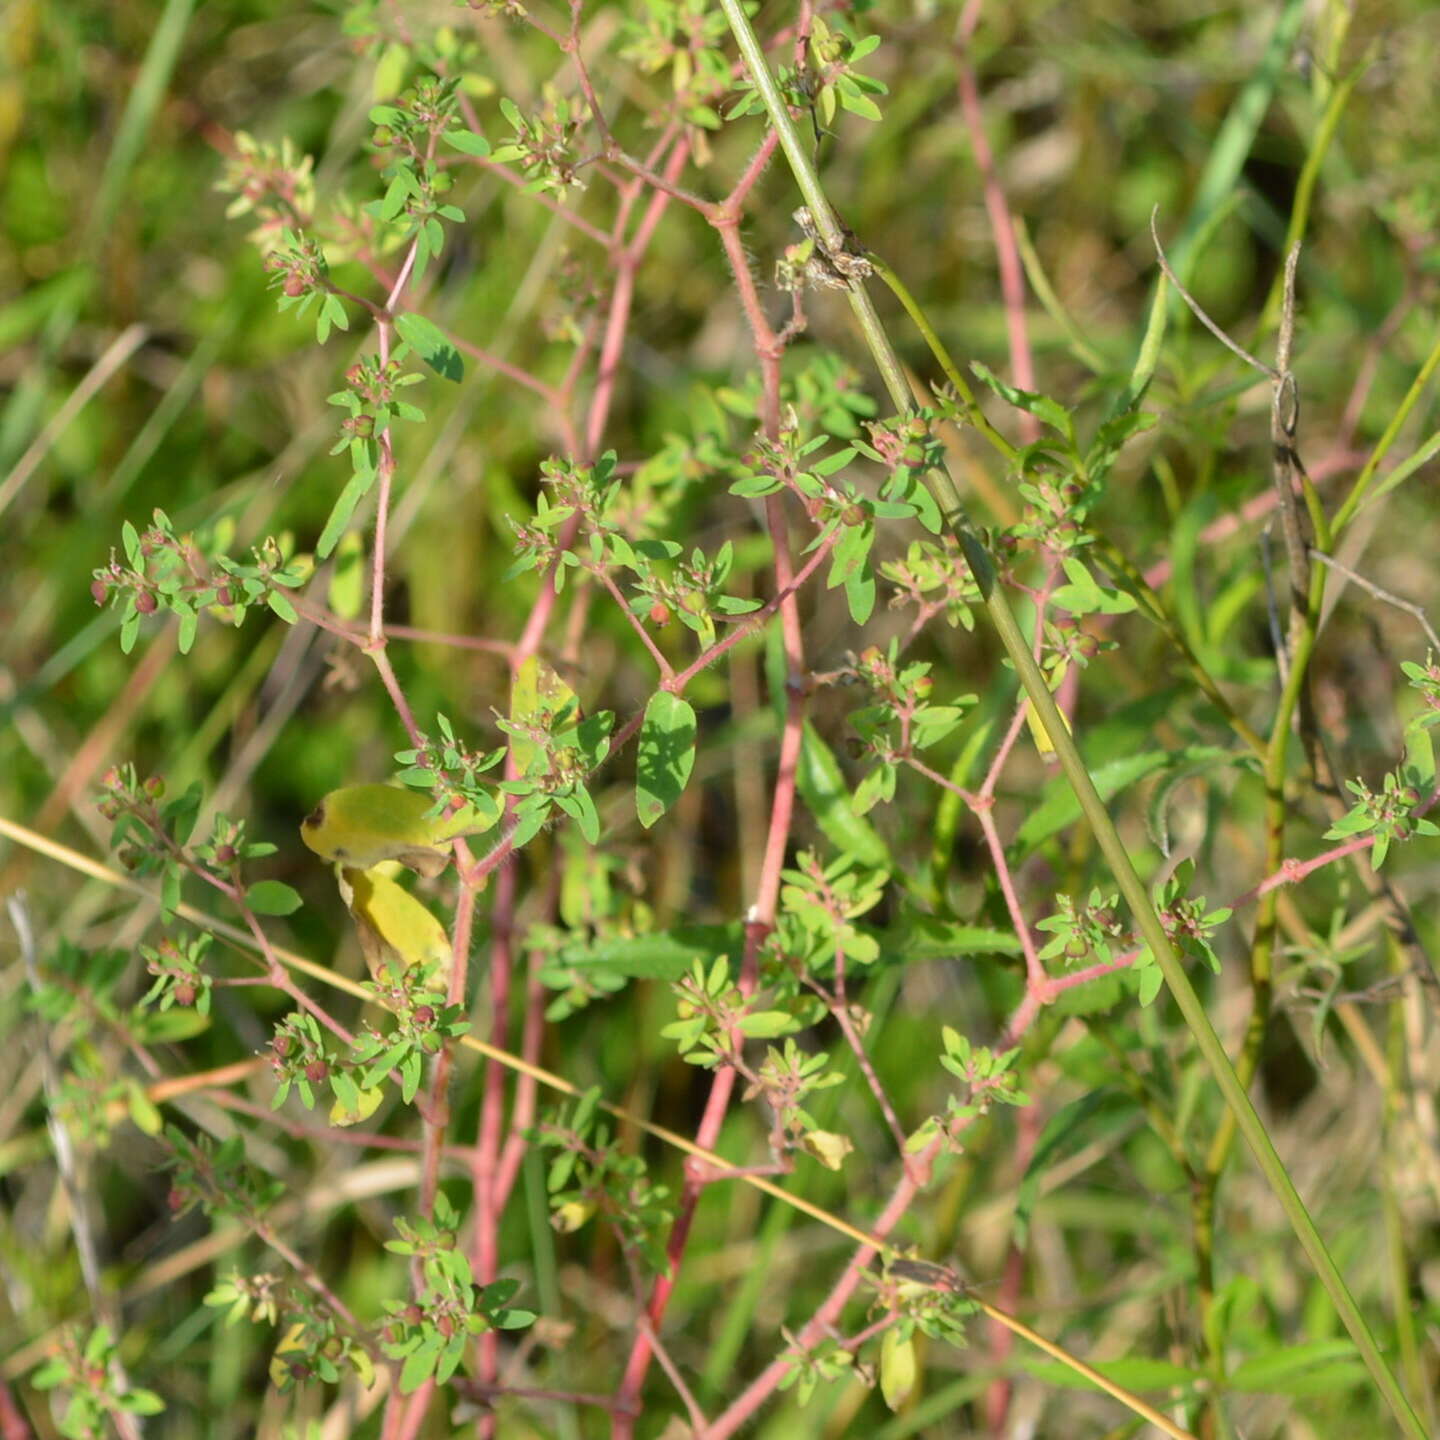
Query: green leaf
[[927, 938], [270, 897], [358, 486], [1307, 1369], [432, 345], [1058, 806], [281, 606], [419, 1365], [662, 955], [822, 786], [1094, 1117], [467, 142], [767, 1024], [665, 757], [1042, 407]]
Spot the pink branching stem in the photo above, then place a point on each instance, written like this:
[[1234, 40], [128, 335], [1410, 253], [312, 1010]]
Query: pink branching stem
[[504, 367], [762, 914], [672, 1370], [667, 671], [571, 46], [437, 1111], [532, 1038], [752, 622], [386, 672], [1012, 1279], [839, 1009], [276, 974], [626, 265], [750, 175], [1034, 967], [485, 1166], [485, 1156], [828, 1315], [554, 206], [1007, 252], [386, 468]]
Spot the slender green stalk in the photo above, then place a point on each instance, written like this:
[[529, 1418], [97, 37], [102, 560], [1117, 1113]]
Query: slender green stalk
[[1080, 347], [1364, 479], [942, 356], [1305, 186], [1113, 848]]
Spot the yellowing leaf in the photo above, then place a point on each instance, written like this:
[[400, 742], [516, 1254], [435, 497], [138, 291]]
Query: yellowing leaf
[[392, 923], [827, 1147], [361, 825], [570, 1216], [537, 698], [898, 1367], [367, 1105], [1041, 736]]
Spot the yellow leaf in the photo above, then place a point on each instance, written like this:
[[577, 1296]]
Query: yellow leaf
[[368, 1104], [538, 698], [827, 1147], [1041, 736]]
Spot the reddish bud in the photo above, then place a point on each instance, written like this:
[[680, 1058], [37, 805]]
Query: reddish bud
[[154, 787], [424, 1014], [852, 515], [99, 591], [412, 1314], [146, 603], [281, 1045], [185, 994], [446, 1326], [175, 1199], [226, 854], [224, 596], [355, 374], [316, 1070], [659, 613], [294, 285]]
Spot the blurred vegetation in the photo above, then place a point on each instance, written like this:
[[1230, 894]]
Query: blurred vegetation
[[144, 364]]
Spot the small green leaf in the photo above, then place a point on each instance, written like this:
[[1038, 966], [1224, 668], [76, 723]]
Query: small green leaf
[[432, 345], [281, 606], [270, 897], [665, 757], [355, 490], [467, 142]]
